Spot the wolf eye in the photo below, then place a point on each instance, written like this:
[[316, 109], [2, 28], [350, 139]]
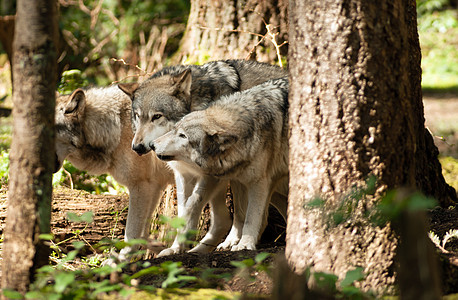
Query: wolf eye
[[182, 135], [156, 117]]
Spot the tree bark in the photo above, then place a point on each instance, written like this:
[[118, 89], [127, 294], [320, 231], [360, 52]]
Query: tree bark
[[32, 149], [355, 111], [233, 29]]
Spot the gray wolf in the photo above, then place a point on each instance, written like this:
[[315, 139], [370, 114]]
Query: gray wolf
[[94, 132], [170, 94], [242, 137]]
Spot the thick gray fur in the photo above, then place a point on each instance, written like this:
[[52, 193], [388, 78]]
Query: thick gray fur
[[242, 137]]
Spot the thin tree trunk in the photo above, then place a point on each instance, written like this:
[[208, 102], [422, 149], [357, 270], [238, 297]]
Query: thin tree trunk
[[6, 37], [32, 149], [233, 29], [355, 111]]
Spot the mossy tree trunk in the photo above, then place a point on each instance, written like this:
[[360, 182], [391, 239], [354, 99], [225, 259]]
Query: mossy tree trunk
[[233, 29], [355, 111], [32, 149]]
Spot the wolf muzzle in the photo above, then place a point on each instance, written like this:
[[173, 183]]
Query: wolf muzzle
[[140, 149]]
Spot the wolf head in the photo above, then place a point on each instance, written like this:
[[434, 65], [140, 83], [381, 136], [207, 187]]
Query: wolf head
[[157, 104], [69, 130], [196, 141], [90, 125]]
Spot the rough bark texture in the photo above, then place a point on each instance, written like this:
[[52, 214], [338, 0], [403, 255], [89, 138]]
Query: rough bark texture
[[233, 29], [32, 149], [355, 111]]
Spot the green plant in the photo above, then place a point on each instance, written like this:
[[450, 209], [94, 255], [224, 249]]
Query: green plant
[[70, 176], [247, 266], [393, 204], [438, 31], [177, 224], [71, 80], [4, 166], [347, 206], [328, 283]]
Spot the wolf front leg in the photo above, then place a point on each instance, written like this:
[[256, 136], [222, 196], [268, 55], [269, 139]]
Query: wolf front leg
[[184, 188], [256, 214], [144, 198], [219, 215], [239, 200]]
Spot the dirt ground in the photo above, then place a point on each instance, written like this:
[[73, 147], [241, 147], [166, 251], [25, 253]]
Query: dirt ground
[[110, 215]]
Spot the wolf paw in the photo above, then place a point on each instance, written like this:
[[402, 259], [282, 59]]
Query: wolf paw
[[169, 251], [246, 243], [202, 248], [228, 243]]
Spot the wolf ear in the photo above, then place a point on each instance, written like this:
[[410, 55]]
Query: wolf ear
[[182, 83], [77, 103], [129, 88], [216, 143]]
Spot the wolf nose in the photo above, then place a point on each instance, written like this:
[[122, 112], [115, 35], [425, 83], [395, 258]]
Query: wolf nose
[[139, 148]]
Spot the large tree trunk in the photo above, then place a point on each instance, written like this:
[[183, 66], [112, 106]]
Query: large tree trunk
[[32, 149], [355, 111], [233, 29]]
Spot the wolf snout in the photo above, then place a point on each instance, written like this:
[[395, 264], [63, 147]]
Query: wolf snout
[[139, 148]]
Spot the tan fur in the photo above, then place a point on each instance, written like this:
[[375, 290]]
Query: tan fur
[[94, 133]]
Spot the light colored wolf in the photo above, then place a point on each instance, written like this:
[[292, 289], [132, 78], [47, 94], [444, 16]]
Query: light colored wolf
[[242, 137], [162, 100], [94, 132]]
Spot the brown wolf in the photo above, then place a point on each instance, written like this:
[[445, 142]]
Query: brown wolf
[[94, 133]]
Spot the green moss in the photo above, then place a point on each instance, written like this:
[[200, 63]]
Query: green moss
[[188, 294], [450, 170]]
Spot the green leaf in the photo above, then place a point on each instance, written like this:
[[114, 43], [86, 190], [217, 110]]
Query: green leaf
[[151, 270], [63, 280], [419, 201], [246, 263], [12, 294], [314, 203], [177, 223], [87, 217], [259, 258], [34, 295], [78, 244], [326, 281], [137, 242], [352, 292], [187, 278], [72, 217], [352, 276], [46, 236], [125, 293]]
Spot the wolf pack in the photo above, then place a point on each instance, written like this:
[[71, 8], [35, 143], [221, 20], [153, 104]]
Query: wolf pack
[[200, 127]]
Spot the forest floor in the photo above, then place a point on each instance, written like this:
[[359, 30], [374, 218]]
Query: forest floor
[[110, 214]]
